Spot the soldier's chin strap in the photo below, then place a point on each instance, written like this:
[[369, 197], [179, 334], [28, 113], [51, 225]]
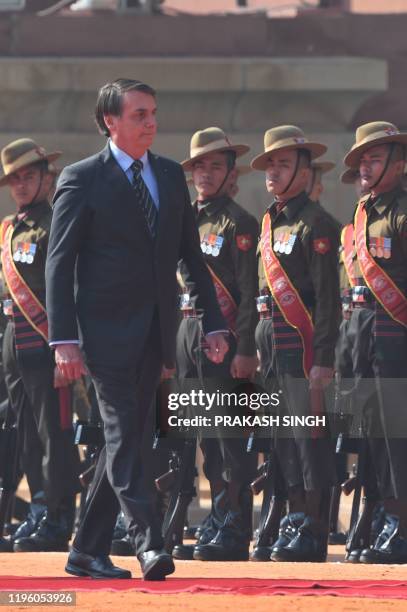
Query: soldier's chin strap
[[231, 164], [290, 182], [314, 178], [386, 165]]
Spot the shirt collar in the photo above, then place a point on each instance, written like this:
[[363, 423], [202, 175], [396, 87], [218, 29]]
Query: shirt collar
[[124, 159], [383, 201], [34, 212], [292, 207], [213, 206]]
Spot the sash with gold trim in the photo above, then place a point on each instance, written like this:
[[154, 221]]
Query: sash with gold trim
[[226, 302], [30, 317], [347, 237], [381, 285], [29, 314], [286, 296]]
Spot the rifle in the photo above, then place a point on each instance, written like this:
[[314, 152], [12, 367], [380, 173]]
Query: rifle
[[9, 459], [180, 478]]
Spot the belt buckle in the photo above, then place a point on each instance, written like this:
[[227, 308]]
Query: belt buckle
[[360, 294], [8, 308]]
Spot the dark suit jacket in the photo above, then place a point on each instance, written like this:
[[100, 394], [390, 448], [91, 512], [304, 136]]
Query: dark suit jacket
[[123, 276]]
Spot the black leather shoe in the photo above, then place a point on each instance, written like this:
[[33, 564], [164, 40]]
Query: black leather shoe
[[80, 564], [48, 537], [27, 527], [123, 547], [261, 553], [306, 546], [289, 526], [353, 556], [156, 564], [390, 547], [184, 552], [229, 544]]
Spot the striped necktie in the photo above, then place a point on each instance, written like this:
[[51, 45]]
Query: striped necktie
[[146, 201]]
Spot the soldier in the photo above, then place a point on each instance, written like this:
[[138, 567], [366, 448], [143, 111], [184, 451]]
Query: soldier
[[298, 283], [228, 240], [39, 398], [374, 255]]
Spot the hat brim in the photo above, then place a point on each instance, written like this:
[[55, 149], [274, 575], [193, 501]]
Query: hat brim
[[316, 149], [49, 157], [352, 158], [349, 176], [239, 150], [323, 166]]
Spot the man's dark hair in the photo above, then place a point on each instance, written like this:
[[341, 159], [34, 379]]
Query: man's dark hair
[[110, 99]]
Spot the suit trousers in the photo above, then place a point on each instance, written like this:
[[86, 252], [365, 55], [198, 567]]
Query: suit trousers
[[125, 398], [50, 458]]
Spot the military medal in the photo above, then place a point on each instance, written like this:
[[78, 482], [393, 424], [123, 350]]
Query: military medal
[[218, 246], [290, 244], [204, 243], [379, 247], [372, 247], [31, 254], [387, 248], [283, 243], [277, 243], [17, 254]]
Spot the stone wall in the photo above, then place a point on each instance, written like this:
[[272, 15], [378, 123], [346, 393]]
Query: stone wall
[[52, 100]]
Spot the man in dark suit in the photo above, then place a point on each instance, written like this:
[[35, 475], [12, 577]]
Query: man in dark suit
[[122, 220]]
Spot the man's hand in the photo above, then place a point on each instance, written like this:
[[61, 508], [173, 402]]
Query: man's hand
[[217, 347], [243, 366], [59, 380], [167, 373], [320, 377], [69, 360]]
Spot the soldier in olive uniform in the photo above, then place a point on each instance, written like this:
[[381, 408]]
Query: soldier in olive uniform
[[300, 307], [228, 240], [375, 257], [39, 398]]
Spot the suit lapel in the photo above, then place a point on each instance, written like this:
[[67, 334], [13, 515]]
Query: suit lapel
[[118, 183]]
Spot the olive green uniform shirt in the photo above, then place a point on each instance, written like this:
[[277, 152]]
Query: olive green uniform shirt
[[235, 263], [33, 229], [312, 267], [387, 218]]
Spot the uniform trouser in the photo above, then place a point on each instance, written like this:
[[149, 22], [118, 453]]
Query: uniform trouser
[[223, 456], [125, 398], [378, 349], [30, 385], [305, 461]]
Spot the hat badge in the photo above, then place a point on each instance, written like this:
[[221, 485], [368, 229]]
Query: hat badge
[[391, 131], [299, 140]]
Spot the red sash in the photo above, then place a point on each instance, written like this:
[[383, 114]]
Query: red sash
[[226, 302], [285, 294], [347, 255], [26, 301], [383, 288], [34, 313]]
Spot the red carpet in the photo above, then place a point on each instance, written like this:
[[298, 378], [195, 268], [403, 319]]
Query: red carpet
[[389, 589]]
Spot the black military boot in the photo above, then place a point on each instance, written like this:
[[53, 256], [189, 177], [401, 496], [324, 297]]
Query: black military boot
[[123, 547], [214, 522], [288, 530], [231, 543], [390, 547], [35, 513], [310, 544], [53, 532]]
